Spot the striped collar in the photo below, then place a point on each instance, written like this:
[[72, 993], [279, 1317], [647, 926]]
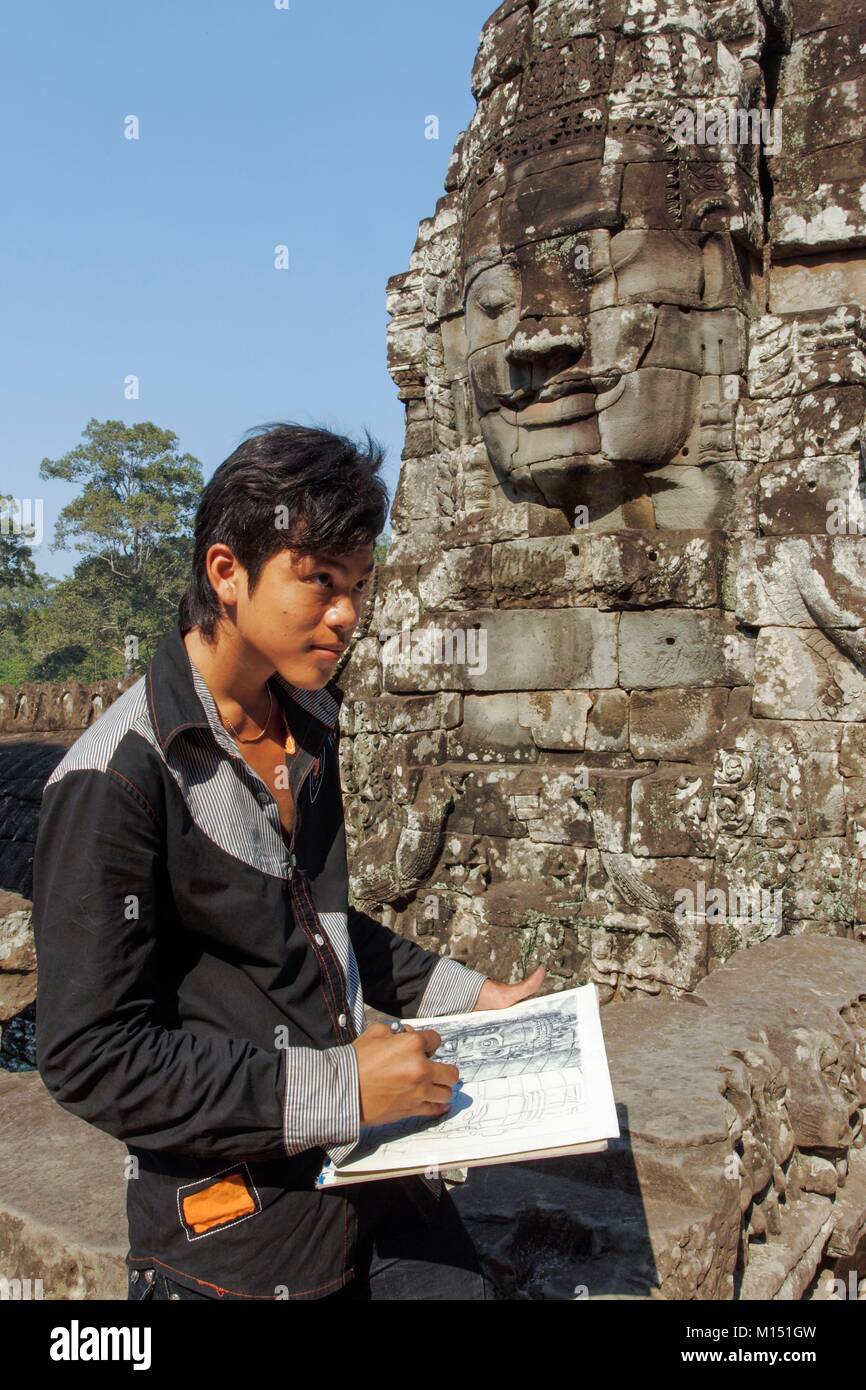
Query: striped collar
[[179, 699]]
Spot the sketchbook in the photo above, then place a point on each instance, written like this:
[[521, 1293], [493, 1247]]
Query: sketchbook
[[534, 1083]]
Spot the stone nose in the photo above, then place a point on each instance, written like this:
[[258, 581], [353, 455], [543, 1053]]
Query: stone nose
[[536, 341]]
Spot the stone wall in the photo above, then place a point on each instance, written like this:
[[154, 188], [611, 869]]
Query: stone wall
[[740, 1172], [42, 707], [609, 711], [26, 763], [38, 722]]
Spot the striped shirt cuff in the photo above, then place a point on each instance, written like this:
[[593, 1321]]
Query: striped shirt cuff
[[322, 1100], [452, 988]]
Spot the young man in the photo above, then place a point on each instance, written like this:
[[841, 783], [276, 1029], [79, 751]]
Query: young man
[[202, 975]]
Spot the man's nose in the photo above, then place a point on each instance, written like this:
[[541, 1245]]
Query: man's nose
[[536, 340], [344, 612]]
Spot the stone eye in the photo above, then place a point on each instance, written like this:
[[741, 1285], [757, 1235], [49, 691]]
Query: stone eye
[[492, 306]]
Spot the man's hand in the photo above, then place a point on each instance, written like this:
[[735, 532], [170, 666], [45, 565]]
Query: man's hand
[[497, 996], [396, 1077]]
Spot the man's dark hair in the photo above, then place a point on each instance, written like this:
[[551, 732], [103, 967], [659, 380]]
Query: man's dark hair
[[287, 486]]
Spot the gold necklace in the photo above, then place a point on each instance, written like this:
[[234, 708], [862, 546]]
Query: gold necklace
[[258, 737], [289, 743]]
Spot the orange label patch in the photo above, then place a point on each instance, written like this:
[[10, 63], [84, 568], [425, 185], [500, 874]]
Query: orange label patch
[[226, 1200]]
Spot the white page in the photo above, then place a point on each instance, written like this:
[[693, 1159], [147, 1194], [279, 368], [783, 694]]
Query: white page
[[532, 1076]]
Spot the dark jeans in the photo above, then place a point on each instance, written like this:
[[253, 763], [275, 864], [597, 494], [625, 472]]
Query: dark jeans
[[409, 1248], [413, 1248]]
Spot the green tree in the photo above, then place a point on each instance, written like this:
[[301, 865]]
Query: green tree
[[137, 492], [133, 520], [82, 630]]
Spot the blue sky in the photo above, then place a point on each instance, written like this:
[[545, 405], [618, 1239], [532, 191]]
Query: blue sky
[[155, 257]]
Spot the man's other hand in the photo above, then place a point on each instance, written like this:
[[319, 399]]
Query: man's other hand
[[498, 996]]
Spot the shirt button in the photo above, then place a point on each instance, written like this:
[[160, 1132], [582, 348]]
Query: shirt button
[[320, 939], [342, 1020]]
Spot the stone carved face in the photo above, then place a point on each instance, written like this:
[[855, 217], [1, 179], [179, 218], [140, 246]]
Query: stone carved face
[[585, 349], [597, 267]]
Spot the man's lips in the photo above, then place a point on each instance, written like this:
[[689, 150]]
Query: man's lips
[[328, 651]]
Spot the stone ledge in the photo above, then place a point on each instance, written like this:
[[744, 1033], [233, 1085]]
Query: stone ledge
[[742, 1078], [721, 1100], [62, 1196], [55, 705]]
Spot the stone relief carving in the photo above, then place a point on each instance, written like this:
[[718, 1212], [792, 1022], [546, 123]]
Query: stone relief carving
[[634, 373]]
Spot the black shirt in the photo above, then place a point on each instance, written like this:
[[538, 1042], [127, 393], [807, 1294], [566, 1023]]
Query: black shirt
[[200, 983]]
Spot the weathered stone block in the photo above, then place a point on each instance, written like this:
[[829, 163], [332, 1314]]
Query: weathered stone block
[[545, 572], [805, 496], [650, 569], [552, 808], [802, 675], [682, 648], [460, 579], [668, 812], [555, 718], [491, 731], [607, 723], [807, 581], [17, 957], [827, 793], [689, 498], [682, 723], [816, 282], [510, 650], [836, 115], [441, 711]]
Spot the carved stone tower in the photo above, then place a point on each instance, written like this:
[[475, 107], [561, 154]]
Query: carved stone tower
[[608, 711]]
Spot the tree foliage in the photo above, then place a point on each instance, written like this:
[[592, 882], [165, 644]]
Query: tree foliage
[[137, 492], [132, 522]]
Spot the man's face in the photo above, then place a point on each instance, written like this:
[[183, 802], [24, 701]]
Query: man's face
[[301, 606]]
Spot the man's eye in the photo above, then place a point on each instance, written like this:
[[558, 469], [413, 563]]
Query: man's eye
[[323, 575]]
